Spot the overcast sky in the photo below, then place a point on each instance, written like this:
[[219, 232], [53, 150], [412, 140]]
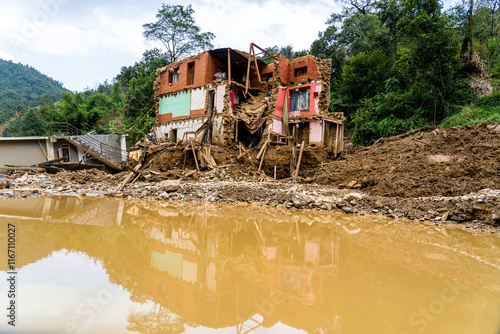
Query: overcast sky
[[83, 43]]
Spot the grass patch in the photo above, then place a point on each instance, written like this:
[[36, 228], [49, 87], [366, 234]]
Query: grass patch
[[485, 109]]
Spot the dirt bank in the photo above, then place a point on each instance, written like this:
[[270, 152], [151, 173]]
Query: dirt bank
[[442, 177], [447, 162]]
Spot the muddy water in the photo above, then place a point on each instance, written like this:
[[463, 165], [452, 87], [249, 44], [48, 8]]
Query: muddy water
[[87, 265]]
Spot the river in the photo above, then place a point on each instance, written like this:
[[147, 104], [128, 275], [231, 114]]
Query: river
[[94, 265]]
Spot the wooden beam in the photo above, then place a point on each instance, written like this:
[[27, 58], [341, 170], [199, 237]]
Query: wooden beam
[[247, 84], [262, 149], [194, 156], [256, 66], [263, 155], [132, 170], [229, 65], [261, 49], [243, 153], [296, 172], [128, 178]]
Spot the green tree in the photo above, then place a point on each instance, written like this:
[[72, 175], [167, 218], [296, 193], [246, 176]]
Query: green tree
[[177, 31], [30, 123]]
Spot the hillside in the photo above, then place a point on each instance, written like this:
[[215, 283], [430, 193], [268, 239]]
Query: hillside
[[22, 87]]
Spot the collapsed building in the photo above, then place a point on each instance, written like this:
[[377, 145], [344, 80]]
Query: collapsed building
[[224, 97]]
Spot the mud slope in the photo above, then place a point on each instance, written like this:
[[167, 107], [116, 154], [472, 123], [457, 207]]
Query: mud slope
[[446, 162]]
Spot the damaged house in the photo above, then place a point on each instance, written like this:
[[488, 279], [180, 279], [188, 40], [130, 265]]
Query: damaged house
[[226, 96]]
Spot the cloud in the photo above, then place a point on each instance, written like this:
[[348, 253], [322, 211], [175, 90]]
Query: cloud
[[267, 23], [81, 43]]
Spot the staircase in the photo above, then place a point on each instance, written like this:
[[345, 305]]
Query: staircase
[[109, 155]]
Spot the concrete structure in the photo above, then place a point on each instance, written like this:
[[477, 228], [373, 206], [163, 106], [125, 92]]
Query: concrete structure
[[234, 97], [28, 151]]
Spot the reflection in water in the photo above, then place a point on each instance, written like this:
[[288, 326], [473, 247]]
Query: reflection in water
[[199, 267]]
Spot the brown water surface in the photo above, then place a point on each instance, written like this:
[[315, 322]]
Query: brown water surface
[[93, 265]]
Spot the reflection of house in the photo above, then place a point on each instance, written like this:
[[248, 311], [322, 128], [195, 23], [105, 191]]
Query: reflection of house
[[230, 96], [67, 209], [211, 275]]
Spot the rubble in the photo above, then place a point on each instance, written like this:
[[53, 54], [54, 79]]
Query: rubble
[[397, 178]]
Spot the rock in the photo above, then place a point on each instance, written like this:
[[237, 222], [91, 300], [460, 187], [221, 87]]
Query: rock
[[170, 185], [163, 195], [442, 210], [346, 209], [479, 207], [456, 218], [296, 202], [352, 196], [351, 184], [378, 204]]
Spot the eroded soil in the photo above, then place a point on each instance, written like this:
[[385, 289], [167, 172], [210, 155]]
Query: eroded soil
[[442, 177]]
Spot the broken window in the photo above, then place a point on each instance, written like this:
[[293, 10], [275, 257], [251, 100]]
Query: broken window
[[173, 135], [173, 75], [211, 101], [300, 99], [268, 77], [64, 152], [190, 73], [300, 71]]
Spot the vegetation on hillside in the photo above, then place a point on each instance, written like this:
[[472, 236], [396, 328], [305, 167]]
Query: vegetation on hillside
[[22, 87]]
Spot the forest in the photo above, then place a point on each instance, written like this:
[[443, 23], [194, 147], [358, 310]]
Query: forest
[[396, 65], [22, 87]]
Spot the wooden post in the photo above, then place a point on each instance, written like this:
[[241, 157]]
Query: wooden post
[[263, 155], [296, 173], [128, 178], [236, 130], [229, 65], [256, 65], [261, 150], [341, 138], [194, 155], [336, 145], [248, 69]]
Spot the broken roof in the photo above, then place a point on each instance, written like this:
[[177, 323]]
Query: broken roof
[[237, 57]]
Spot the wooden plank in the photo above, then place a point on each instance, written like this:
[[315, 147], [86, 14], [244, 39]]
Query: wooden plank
[[244, 152], [262, 149], [247, 84], [25, 168], [236, 130], [128, 178], [261, 49], [131, 169], [263, 155], [256, 65], [194, 156], [187, 174], [41, 164], [296, 172], [229, 65], [337, 138]]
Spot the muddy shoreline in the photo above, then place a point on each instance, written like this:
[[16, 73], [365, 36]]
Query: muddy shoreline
[[477, 211]]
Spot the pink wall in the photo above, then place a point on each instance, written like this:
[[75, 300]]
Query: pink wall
[[278, 107], [316, 132], [277, 127]]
